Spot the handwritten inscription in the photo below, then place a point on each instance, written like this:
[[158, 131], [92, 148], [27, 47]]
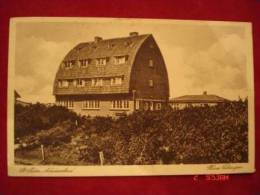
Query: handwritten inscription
[[224, 167], [29, 170], [47, 170], [65, 170]]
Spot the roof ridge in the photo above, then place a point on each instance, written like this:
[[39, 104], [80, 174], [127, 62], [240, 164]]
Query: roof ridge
[[197, 97], [116, 38]]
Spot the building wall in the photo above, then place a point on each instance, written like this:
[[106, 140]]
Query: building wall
[[104, 110], [185, 105], [105, 105], [142, 72]]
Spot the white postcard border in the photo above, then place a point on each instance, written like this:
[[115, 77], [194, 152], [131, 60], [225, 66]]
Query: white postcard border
[[127, 170]]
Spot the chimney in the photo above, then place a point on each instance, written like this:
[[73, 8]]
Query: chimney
[[204, 92], [132, 34], [97, 39]]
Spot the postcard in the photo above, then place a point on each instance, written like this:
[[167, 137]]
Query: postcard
[[125, 97]]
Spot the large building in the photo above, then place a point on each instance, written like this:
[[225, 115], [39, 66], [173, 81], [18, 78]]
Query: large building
[[204, 99], [113, 76]]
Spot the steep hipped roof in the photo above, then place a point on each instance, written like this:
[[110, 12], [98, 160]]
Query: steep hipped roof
[[204, 98], [106, 48], [109, 48]]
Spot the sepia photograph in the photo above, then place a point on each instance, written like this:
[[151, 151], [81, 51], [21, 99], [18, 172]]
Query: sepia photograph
[[118, 96]]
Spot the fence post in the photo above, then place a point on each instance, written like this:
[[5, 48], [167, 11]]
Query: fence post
[[42, 151], [101, 158]]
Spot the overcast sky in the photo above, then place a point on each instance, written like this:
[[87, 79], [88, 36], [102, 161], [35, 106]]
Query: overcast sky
[[199, 56]]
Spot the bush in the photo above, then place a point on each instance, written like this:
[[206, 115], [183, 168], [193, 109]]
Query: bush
[[216, 134], [35, 117], [57, 135]]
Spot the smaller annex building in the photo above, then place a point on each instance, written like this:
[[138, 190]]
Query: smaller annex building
[[196, 100], [17, 97]]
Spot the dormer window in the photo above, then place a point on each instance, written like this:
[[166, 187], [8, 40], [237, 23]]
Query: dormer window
[[96, 82], [120, 59], [80, 82], [69, 64], [110, 45], [101, 61], [116, 81], [83, 63], [63, 83], [128, 44]]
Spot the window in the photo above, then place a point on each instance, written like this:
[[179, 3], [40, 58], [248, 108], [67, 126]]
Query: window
[[91, 104], [146, 105], [151, 105], [151, 83], [66, 103], [137, 105], [120, 104], [58, 103], [63, 83], [80, 82], [96, 82], [116, 81], [69, 64], [83, 63], [70, 104], [113, 81], [101, 61], [126, 104], [151, 63], [120, 59], [158, 106]]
